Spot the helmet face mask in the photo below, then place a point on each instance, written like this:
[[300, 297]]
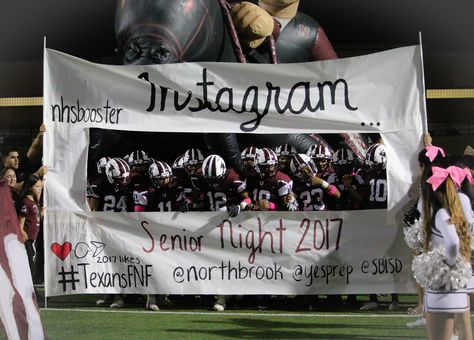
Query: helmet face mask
[[161, 175], [247, 157], [322, 164], [139, 161], [284, 153], [303, 167], [344, 161], [267, 170], [321, 156], [192, 161]]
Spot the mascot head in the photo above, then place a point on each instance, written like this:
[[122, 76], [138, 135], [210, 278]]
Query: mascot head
[[163, 31]]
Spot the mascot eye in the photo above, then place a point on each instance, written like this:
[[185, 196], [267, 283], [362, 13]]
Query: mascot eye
[[160, 55], [133, 51]]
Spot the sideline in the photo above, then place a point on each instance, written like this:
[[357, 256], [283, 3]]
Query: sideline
[[261, 314]]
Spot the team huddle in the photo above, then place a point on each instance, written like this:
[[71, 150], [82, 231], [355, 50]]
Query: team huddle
[[269, 180]]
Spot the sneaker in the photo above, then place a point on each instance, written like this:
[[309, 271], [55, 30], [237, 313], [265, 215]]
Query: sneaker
[[118, 303], [393, 306], [104, 300], [369, 306], [151, 303], [219, 306], [420, 322]]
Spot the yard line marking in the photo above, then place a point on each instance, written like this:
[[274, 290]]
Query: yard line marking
[[234, 314]]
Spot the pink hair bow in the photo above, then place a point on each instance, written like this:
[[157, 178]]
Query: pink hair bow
[[439, 176], [468, 175], [432, 151]]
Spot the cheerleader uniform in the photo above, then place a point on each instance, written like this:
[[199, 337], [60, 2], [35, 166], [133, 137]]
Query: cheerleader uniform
[[444, 235], [469, 215]]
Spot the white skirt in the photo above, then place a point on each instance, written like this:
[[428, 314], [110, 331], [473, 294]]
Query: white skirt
[[455, 301], [470, 286]]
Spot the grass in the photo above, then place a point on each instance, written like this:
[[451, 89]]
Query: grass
[[77, 317]]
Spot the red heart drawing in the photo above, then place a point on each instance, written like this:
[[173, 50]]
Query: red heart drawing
[[61, 251]]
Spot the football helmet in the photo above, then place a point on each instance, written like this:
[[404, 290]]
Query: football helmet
[[285, 150], [138, 157], [138, 161], [266, 162], [344, 160], [284, 153], [101, 163], [303, 167], [321, 156], [376, 157], [249, 153], [178, 163], [213, 169], [248, 158], [192, 161], [117, 172], [160, 174]]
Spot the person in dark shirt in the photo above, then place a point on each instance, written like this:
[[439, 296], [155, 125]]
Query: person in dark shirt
[[25, 166], [30, 215]]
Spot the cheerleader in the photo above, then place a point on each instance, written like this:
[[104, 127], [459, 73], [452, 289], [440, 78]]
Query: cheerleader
[[444, 268]]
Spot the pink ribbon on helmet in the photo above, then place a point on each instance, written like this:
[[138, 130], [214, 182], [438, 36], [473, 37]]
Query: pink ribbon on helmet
[[432, 151], [440, 174]]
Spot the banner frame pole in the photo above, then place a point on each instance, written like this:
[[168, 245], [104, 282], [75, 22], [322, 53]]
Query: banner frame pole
[[44, 196], [424, 113]]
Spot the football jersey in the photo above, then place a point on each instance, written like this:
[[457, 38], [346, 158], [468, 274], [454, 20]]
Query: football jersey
[[193, 189], [226, 192], [376, 193], [345, 201], [162, 199], [309, 197], [110, 198], [272, 189]]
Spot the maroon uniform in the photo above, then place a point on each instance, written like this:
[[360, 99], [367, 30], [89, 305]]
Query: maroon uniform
[[225, 192], [31, 212], [309, 197], [376, 194], [345, 201], [273, 189], [110, 198], [157, 199]]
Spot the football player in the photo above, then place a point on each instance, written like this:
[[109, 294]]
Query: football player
[[248, 160], [350, 185], [284, 153], [310, 190], [139, 161], [376, 177], [321, 156], [193, 182], [272, 189], [226, 191], [113, 194], [163, 195], [97, 178]]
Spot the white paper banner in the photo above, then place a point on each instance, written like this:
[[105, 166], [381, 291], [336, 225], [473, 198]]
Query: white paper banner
[[114, 252]]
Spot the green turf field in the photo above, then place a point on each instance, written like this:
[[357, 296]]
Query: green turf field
[[77, 317]]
